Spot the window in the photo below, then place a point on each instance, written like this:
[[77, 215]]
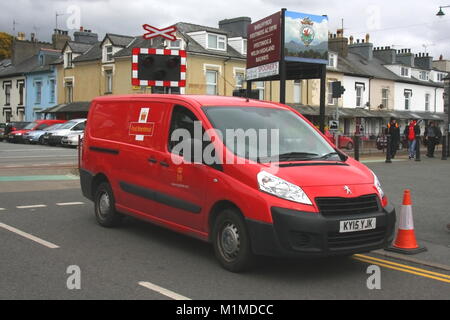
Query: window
[[385, 98], [423, 75], [216, 42], [408, 95], [182, 118], [332, 60], [69, 63], [261, 86], [176, 44], [7, 94], [41, 60], [441, 76], [108, 81], [331, 101], [297, 91], [240, 78], [21, 89], [405, 72], [69, 91], [79, 127], [52, 90], [38, 86], [108, 53], [427, 101], [244, 46], [211, 82], [359, 95]]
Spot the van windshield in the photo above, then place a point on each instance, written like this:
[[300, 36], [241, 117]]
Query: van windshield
[[269, 134]]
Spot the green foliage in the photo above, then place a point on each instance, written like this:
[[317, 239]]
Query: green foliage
[[6, 41]]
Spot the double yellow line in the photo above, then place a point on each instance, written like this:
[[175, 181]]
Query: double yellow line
[[403, 268]]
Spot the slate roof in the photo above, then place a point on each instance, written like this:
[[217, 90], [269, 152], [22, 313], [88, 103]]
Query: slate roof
[[119, 40], [93, 53]]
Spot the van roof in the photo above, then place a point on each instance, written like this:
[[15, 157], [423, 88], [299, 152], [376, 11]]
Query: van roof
[[203, 100]]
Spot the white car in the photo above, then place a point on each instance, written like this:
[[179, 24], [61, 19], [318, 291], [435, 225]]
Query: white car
[[54, 137], [72, 139]]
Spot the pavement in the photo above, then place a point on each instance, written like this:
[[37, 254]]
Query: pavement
[[47, 227]]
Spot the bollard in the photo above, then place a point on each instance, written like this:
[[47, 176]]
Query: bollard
[[388, 149], [356, 146], [418, 149], [444, 148]]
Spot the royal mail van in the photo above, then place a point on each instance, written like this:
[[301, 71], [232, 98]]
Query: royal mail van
[[251, 177]]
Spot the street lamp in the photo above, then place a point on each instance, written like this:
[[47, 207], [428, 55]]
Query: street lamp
[[447, 109], [441, 12]]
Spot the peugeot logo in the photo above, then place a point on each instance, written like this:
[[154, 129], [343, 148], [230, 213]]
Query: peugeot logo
[[348, 190]]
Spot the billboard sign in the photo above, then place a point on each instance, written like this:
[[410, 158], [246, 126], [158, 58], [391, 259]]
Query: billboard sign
[[306, 37], [264, 41]]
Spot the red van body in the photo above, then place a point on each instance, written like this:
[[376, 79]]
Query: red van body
[[127, 168], [17, 136]]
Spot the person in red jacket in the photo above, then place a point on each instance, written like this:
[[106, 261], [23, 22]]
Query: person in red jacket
[[411, 132]]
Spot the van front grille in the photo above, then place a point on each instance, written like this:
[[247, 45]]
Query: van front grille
[[348, 206]]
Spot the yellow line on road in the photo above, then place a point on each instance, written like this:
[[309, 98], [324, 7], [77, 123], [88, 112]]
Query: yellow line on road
[[406, 269], [402, 266]]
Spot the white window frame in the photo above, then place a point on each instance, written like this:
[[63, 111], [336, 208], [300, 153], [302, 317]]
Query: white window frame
[[359, 98], [68, 90], [408, 96], [404, 72], [424, 75], [385, 97], [170, 44], [212, 84], [297, 94], [8, 94], [38, 86], [52, 84], [68, 59], [332, 60], [330, 100], [261, 87], [220, 39], [427, 101], [109, 73], [109, 55]]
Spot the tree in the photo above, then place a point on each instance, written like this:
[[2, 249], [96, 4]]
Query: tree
[[6, 41]]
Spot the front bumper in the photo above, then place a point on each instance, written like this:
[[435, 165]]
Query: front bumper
[[15, 138], [304, 234], [54, 140]]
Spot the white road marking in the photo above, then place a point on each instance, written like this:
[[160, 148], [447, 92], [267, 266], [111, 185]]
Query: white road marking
[[165, 292], [2, 209], [32, 206], [70, 204], [29, 236]]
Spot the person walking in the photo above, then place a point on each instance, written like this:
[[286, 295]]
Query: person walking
[[433, 136], [412, 131], [393, 130]]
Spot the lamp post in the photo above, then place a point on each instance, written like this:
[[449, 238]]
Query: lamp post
[[447, 109], [441, 12]]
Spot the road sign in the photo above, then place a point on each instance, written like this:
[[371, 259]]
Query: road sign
[[168, 33], [333, 125]]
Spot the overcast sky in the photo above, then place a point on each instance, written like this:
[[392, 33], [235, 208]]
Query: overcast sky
[[402, 24]]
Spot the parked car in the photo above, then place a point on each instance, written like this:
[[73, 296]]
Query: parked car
[[54, 137], [36, 136], [303, 199], [14, 126], [72, 139], [344, 141], [2, 130], [17, 135]]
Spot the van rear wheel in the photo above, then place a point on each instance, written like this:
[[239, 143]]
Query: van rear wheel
[[231, 242], [104, 206]]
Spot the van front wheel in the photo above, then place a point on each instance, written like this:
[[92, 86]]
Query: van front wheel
[[231, 241], [104, 206]]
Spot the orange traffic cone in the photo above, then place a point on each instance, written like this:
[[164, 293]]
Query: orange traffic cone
[[406, 242]]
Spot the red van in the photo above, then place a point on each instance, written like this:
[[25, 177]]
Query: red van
[[300, 196], [17, 136]]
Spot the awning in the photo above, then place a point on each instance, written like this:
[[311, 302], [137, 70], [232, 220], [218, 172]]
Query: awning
[[69, 108]]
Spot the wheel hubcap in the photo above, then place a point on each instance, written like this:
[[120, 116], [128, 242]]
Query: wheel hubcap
[[104, 204], [230, 242]]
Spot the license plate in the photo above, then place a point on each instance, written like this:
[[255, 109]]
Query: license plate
[[358, 225]]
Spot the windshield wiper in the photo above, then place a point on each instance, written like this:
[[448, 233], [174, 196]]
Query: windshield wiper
[[341, 156], [296, 156]]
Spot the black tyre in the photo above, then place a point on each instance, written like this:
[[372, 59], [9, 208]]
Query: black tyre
[[104, 206], [231, 241], [41, 140]]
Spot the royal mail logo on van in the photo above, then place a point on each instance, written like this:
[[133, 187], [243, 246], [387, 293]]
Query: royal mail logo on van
[[142, 129]]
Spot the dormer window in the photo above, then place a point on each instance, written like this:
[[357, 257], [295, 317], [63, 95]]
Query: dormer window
[[216, 42], [108, 53], [244, 46], [423, 75], [176, 44], [405, 72]]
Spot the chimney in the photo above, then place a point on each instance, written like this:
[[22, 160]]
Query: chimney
[[59, 39], [424, 61], [406, 57], [339, 44], [362, 48], [237, 27], [85, 36], [352, 40]]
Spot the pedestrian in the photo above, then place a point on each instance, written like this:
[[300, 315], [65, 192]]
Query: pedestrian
[[433, 136], [393, 131], [412, 131]]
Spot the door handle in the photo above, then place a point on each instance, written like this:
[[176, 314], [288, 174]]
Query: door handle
[[152, 160], [164, 164]]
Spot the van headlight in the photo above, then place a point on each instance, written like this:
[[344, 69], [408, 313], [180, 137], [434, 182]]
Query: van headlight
[[377, 184], [281, 188]]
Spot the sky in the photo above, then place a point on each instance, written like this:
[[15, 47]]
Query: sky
[[401, 24]]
